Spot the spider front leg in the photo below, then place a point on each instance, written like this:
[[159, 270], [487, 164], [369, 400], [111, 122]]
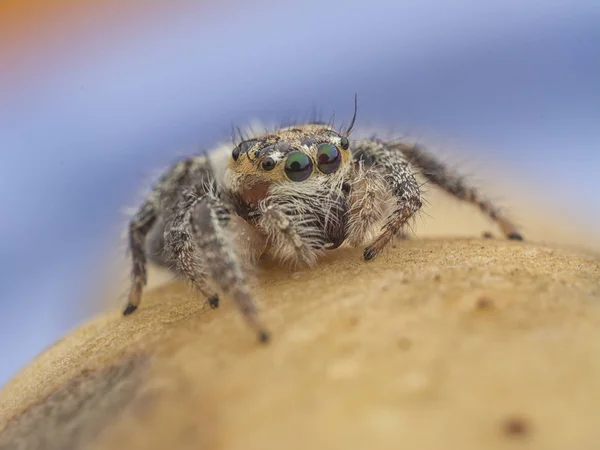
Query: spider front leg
[[198, 241], [293, 238], [382, 169], [302, 220], [368, 201], [179, 242]]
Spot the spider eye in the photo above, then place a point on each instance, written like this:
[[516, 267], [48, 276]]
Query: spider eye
[[298, 166], [344, 143], [235, 154], [328, 158], [268, 163]]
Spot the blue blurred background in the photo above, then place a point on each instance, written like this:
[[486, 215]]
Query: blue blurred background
[[94, 98]]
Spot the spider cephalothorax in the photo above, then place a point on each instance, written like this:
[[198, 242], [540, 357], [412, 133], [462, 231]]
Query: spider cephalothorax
[[293, 193], [304, 169]]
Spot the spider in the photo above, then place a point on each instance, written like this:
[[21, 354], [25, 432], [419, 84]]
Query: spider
[[293, 194]]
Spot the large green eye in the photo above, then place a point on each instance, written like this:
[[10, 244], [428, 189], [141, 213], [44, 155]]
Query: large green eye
[[328, 158], [298, 166]]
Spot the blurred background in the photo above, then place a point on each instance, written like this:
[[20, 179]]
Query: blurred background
[[96, 95]]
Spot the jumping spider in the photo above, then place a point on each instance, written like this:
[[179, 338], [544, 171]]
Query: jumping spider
[[292, 193]]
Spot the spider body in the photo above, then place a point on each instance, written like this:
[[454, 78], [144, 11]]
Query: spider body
[[294, 193]]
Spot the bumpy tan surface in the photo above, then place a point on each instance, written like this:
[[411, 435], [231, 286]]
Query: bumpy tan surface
[[438, 344]]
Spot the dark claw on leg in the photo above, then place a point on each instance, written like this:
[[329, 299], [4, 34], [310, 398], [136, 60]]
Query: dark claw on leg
[[369, 253], [515, 237], [213, 301], [129, 309]]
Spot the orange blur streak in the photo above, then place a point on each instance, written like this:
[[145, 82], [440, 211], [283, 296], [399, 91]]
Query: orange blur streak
[[27, 27]]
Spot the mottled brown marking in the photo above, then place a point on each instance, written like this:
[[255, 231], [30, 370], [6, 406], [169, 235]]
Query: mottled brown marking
[[353, 322], [516, 427], [404, 344], [484, 303], [78, 411]]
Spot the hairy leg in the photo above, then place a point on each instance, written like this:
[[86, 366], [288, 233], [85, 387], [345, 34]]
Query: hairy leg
[[197, 240], [179, 241], [387, 164], [292, 239], [302, 220], [369, 204], [139, 227], [160, 207], [453, 183], [209, 216]]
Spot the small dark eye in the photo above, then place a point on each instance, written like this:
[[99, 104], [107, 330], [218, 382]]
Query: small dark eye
[[298, 166], [235, 154], [328, 158], [344, 143], [268, 163]]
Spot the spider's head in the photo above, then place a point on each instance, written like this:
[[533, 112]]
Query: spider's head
[[290, 155]]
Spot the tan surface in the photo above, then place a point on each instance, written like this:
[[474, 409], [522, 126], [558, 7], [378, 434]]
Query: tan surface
[[438, 344]]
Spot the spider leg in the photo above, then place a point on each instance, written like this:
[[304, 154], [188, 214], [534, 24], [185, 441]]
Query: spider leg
[[386, 164], [453, 183], [302, 220], [295, 239], [139, 227], [178, 237], [197, 240], [367, 205], [149, 221]]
